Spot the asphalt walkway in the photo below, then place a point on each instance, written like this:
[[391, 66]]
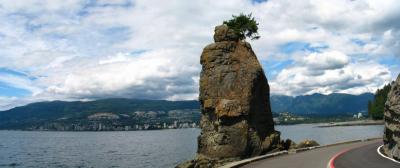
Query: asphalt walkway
[[354, 155], [363, 157]]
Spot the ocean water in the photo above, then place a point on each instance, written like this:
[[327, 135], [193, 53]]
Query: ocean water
[[141, 149], [329, 135]]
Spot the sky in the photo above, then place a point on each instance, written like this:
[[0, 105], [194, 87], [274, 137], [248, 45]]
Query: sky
[[150, 49]]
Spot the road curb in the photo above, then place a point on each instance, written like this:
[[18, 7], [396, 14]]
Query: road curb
[[332, 160], [285, 152]]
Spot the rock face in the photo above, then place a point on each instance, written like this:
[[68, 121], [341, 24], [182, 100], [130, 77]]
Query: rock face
[[392, 122], [234, 95]]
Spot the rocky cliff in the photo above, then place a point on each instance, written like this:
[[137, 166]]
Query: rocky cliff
[[392, 122], [234, 94]]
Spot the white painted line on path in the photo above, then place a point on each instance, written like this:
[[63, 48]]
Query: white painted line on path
[[379, 152]]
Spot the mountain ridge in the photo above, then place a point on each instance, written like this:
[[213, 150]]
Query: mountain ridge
[[337, 104], [277, 106], [320, 104]]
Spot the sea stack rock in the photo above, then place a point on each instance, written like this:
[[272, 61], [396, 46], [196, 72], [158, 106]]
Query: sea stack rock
[[392, 122], [236, 119]]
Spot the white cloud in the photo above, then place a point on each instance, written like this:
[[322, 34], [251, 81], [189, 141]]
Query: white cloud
[[20, 82], [150, 75], [329, 76], [7, 102], [326, 60], [151, 49]]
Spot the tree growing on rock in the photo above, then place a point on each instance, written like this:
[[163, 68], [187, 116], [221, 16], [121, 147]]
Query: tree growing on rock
[[244, 26]]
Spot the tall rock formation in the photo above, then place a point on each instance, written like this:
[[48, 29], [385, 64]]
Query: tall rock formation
[[392, 122], [236, 117]]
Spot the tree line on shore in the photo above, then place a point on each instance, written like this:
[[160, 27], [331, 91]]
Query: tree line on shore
[[377, 105]]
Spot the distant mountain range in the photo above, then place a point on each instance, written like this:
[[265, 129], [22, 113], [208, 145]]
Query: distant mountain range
[[78, 111], [42, 112], [322, 105]]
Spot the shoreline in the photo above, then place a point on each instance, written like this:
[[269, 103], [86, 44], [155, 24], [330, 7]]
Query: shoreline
[[321, 125], [352, 123], [94, 131]]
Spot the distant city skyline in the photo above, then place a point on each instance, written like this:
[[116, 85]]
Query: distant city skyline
[[84, 50]]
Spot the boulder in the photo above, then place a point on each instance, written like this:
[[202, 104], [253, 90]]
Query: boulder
[[288, 144], [307, 143], [391, 137], [223, 33], [236, 119]]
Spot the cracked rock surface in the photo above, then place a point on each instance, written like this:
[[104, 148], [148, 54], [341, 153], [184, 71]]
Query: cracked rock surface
[[236, 120], [392, 122]]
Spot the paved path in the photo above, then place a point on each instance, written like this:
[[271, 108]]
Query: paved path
[[363, 157], [316, 158]]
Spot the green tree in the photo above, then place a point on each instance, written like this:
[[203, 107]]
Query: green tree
[[376, 107], [244, 26], [369, 108]]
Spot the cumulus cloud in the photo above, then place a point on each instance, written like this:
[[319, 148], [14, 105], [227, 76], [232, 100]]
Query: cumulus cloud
[[151, 75], [150, 49], [335, 73], [326, 60]]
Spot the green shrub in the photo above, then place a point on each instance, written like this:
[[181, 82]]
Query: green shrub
[[244, 26]]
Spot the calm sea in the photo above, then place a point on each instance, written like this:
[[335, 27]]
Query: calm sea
[[162, 148]]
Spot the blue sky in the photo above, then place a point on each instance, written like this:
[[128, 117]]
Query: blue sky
[[80, 50]]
